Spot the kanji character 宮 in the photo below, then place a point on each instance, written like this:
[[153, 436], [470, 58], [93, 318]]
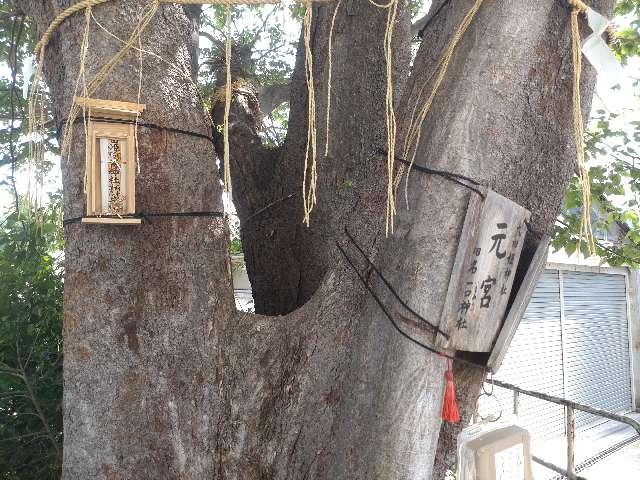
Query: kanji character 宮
[[486, 287]]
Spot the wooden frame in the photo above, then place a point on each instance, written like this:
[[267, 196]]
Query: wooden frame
[[121, 133]]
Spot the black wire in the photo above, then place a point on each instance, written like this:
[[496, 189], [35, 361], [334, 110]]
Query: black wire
[[390, 287], [454, 177], [147, 215], [397, 327], [183, 214], [142, 124], [451, 176]]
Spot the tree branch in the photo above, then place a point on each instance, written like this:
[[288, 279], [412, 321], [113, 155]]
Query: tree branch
[[193, 13], [419, 26], [40, 412], [218, 43], [271, 96]]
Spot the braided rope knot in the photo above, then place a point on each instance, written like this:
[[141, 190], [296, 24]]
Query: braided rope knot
[[82, 4], [578, 5], [612, 34], [62, 17]]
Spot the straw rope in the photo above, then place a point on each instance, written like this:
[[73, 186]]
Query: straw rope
[[104, 71], [586, 229], [227, 101], [392, 8], [84, 46], [310, 168], [329, 74], [391, 119], [135, 126], [412, 139], [578, 5], [35, 121], [82, 76]]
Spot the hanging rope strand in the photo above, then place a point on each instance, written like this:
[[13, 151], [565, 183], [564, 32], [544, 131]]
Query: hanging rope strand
[[586, 230], [84, 45], [391, 118], [135, 127], [104, 71], [412, 139], [329, 74], [35, 123], [82, 75], [310, 169], [227, 101], [392, 8]]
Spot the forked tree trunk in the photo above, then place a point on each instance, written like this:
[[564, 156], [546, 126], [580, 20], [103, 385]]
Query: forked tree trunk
[[163, 379]]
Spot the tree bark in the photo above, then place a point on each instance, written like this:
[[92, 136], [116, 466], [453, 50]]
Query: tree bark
[[163, 379], [142, 303]]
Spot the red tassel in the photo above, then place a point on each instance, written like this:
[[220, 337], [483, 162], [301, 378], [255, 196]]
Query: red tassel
[[449, 405]]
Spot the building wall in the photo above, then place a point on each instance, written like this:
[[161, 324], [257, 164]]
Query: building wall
[[634, 331]]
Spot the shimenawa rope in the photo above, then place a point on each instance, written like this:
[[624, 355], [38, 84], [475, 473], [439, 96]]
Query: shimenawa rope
[[413, 135]]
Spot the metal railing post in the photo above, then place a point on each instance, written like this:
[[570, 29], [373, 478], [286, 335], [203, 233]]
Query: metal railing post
[[516, 401], [571, 438]]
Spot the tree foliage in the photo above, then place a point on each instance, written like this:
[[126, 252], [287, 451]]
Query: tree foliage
[[612, 151], [30, 345]]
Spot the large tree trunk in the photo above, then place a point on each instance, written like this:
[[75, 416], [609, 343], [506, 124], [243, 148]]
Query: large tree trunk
[[163, 379]]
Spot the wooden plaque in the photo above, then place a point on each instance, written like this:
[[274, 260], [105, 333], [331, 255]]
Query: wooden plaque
[[482, 276]]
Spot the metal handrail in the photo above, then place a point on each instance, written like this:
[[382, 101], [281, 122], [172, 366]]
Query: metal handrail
[[575, 405], [554, 468], [570, 420]]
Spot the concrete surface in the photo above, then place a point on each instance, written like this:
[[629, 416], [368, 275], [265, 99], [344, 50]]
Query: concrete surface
[[594, 457], [623, 464]]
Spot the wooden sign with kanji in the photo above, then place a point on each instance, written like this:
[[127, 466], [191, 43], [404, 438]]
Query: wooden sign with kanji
[[485, 265]]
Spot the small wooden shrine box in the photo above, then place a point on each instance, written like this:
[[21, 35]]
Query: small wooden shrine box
[[110, 160], [502, 453]]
